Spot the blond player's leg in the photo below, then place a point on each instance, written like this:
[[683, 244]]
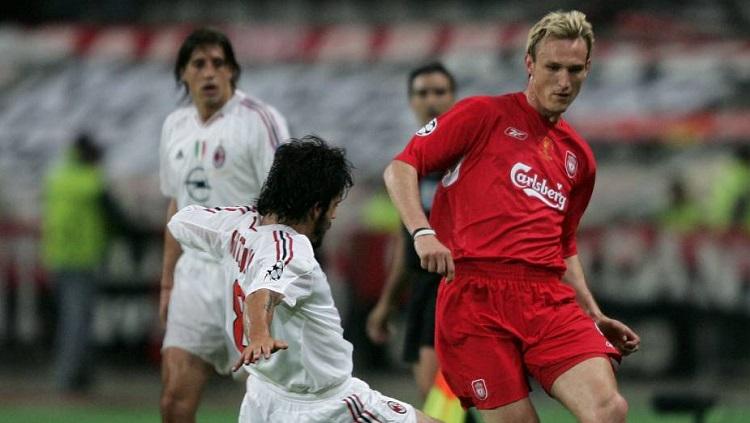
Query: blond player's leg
[[521, 411], [183, 377], [589, 391]]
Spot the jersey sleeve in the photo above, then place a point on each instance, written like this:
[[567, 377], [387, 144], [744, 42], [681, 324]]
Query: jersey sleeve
[[579, 200], [271, 132], [446, 139], [205, 229], [166, 182], [286, 267]]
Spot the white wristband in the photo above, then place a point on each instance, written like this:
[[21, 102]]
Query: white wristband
[[423, 232]]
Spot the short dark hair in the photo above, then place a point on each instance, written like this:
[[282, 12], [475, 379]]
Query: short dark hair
[[204, 37], [305, 173], [434, 67]]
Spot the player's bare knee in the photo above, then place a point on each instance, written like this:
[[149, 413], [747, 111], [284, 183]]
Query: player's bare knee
[[176, 409], [168, 402], [176, 403], [613, 409], [618, 409]]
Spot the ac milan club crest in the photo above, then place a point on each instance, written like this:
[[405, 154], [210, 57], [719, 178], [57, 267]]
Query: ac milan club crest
[[397, 407], [571, 164], [219, 157], [480, 389]]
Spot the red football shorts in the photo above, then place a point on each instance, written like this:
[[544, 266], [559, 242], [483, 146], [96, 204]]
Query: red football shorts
[[495, 324]]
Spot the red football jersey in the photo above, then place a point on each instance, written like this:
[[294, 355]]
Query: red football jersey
[[515, 187]]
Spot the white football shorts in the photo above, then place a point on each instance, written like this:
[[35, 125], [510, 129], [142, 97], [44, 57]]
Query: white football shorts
[[195, 319], [352, 401]]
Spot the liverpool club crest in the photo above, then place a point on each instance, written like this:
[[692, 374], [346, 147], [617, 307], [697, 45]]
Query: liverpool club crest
[[571, 164]]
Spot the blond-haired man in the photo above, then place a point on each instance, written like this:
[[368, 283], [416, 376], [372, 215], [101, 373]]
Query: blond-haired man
[[503, 232]]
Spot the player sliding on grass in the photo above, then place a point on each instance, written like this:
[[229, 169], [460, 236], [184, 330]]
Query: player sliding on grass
[[281, 298]]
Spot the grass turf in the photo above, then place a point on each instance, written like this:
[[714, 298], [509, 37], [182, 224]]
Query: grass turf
[[72, 414]]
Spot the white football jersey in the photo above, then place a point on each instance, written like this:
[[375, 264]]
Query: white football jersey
[[277, 258], [223, 161]]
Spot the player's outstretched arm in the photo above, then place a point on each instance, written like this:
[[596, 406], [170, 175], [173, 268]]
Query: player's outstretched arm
[[618, 333], [402, 182], [258, 315]]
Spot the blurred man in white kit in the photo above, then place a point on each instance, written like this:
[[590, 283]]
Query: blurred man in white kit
[[215, 151]]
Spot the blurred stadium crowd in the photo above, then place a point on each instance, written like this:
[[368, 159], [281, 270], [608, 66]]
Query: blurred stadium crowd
[[666, 239]]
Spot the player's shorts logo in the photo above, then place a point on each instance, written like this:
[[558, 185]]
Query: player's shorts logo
[[428, 129], [397, 407], [516, 133], [197, 185], [571, 164], [606, 342], [480, 389], [220, 156]]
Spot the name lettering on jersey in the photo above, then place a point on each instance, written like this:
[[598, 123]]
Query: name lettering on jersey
[[537, 187], [516, 133], [571, 164], [429, 128], [241, 254], [238, 327]]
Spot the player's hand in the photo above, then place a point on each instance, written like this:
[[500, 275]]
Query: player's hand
[[620, 335], [260, 348], [377, 323], [434, 256], [164, 295]]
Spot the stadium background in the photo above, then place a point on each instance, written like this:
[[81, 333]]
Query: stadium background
[[666, 105]]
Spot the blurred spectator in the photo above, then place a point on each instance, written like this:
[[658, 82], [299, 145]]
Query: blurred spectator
[[682, 213], [730, 202], [75, 231]]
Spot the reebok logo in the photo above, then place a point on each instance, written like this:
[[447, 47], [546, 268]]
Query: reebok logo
[[537, 187], [516, 133]]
